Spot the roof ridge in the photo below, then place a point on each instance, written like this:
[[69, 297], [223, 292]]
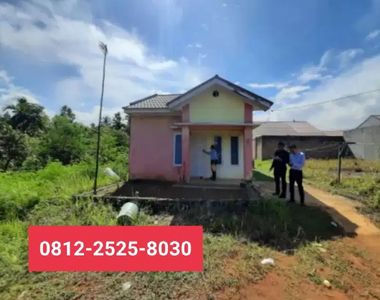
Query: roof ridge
[[168, 94], [265, 122]]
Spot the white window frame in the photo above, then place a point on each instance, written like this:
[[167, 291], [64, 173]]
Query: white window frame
[[174, 143]]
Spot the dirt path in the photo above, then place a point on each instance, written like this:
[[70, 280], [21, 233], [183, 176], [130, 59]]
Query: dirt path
[[342, 210], [361, 253]]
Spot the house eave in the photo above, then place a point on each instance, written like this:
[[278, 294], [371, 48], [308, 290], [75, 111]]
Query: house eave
[[250, 97], [150, 111], [205, 124]]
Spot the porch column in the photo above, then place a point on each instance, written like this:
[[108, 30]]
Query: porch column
[[186, 153], [248, 153]]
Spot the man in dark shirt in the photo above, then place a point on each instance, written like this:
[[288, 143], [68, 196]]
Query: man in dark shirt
[[280, 160]]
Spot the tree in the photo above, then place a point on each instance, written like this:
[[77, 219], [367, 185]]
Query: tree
[[128, 124], [13, 146], [67, 113], [64, 141], [27, 117], [5, 118], [117, 122], [106, 121]]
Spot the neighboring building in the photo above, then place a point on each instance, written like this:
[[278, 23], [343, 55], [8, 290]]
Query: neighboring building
[[312, 141], [169, 132], [370, 121], [366, 138]]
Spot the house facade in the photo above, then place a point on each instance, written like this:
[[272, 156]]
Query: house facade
[[169, 132]]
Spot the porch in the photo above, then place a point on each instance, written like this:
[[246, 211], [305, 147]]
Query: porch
[[233, 142]]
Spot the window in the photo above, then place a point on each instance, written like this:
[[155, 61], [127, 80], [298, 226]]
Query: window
[[234, 150], [178, 149], [218, 148]]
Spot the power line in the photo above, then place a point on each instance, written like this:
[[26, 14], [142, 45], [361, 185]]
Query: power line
[[323, 102], [323, 148]]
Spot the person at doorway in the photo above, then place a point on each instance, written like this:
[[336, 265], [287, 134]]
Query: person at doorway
[[280, 161], [297, 162], [213, 160]]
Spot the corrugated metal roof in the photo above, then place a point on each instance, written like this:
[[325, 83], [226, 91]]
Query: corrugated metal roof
[[154, 101], [287, 128]]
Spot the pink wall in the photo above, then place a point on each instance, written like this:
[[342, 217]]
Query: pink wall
[[186, 158], [248, 153], [248, 110], [151, 148]]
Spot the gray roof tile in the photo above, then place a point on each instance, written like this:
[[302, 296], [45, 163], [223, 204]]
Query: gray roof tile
[[287, 128], [154, 101]]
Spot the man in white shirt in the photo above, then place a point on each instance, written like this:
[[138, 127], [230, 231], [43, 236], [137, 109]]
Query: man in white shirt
[[296, 162]]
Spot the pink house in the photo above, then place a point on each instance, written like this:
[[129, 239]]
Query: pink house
[[169, 132]]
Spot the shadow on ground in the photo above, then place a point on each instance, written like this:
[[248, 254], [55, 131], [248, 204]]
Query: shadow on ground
[[270, 222], [266, 185]]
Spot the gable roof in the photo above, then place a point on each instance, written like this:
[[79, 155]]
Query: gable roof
[[249, 96], [371, 116], [172, 101], [291, 128], [154, 101]]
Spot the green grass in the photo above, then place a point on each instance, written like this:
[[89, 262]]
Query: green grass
[[220, 251], [360, 179], [236, 239], [42, 198], [21, 191]]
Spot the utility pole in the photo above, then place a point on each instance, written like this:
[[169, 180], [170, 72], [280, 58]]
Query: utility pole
[[104, 49]]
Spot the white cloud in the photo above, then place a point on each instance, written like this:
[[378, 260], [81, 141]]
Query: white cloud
[[312, 73], [224, 4], [292, 92], [274, 85], [4, 77], [342, 114], [53, 33], [196, 45], [205, 27], [88, 117], [315, 72], [237, 83], [320, 72], [345, 57], [9, 92], [372, 35]]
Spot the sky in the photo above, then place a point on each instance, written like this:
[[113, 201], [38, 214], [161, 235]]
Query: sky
[[294, 53]]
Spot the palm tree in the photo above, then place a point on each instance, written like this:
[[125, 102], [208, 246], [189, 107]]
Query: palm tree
[[27, 117]]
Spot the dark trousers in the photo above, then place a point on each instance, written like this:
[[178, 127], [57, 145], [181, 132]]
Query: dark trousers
[[213, 166], [280, 175], [296, 176]]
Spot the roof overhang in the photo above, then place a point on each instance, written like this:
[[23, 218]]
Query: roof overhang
[[217, 124], [150, 111], [248, 96]]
